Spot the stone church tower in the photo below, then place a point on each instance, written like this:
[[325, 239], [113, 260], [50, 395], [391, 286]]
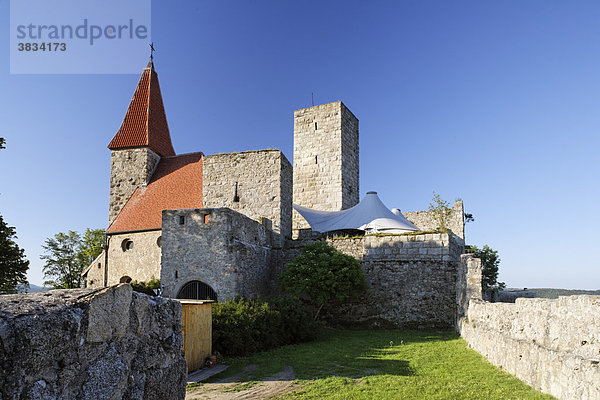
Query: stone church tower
[[141, 141], [326, 160]]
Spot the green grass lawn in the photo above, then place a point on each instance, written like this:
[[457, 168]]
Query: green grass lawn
[[393, 364]]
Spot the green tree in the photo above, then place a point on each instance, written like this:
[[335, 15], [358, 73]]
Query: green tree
[[321, 274], [2, 143], [62, 268], [490, 262], [90, 246], [68, 254], [441, 211], [13, 264]]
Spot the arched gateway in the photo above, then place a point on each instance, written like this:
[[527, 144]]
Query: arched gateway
[[196, 290]]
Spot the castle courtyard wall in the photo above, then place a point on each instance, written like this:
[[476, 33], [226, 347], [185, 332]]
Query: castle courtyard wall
[[411, 280], [552, 345], [219, 247], [264, 186], [141, 263]]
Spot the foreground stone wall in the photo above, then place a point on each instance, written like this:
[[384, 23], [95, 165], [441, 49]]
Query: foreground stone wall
[[425, 221], [220, 247], [91, 344], [552, 345], [264, 186]]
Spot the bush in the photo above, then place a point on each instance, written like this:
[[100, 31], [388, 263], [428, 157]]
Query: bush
[[146, 287], [242, 326], [322, 274]]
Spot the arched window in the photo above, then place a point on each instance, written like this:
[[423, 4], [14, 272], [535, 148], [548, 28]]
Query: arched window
[[125, 279], [196, 290], [127, 244]]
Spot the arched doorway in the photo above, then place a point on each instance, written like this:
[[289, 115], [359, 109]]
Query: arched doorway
[[196, 290], [125, 279]]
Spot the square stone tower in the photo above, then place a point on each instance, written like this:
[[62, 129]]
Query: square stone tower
[[325, 159]]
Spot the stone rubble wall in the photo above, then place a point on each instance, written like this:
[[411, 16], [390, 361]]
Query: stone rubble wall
[[326, 159], [552, 345], [141, 263], [264, 186], [425, 221], [220, 247], [411, 280], [91, 344], [129, 169]]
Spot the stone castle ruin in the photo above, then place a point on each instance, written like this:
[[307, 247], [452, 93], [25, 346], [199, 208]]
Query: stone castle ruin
[[216, 226]]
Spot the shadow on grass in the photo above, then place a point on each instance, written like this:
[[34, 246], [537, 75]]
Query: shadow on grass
[[337, 353]]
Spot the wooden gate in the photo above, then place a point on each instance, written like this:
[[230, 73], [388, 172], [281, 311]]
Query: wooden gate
[[196, 316]]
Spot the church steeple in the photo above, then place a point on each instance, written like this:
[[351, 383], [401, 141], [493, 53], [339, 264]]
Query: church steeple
[[145, 122]]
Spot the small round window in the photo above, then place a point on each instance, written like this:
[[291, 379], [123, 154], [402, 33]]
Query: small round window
[[159, 241], [127, 244]]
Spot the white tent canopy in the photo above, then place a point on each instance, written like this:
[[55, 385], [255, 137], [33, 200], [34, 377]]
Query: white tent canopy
[[369, 215]]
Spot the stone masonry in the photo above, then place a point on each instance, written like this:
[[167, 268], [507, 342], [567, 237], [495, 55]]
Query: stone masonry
[[326, 163], [425, 221], [91, 345], [129, 169], [264, 186], [141, 263], [411, 280], [552, 345], [219, 247]]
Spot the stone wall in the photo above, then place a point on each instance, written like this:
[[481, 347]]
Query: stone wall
[[264, 186], [141, 263], [326, 159], [94, 273], [91, 344], [552, 345], [425, 221], [129, 169], [411, 280], [220, 247], [468, 285]]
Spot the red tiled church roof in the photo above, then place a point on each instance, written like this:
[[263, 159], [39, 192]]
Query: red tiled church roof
[[145, 123], [176, 184]]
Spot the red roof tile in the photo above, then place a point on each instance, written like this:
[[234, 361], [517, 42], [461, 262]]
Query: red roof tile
[[145, 122], [176, 184]]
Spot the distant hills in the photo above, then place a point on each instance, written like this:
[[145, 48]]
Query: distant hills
[[547, 293], [32, 288]]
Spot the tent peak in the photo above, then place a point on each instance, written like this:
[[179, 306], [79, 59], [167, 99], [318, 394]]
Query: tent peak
[[371, 192]]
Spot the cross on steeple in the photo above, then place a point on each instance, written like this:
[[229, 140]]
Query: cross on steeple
[[152, 51]]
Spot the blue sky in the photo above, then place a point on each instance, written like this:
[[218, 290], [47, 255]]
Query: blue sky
[[494, 102]]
